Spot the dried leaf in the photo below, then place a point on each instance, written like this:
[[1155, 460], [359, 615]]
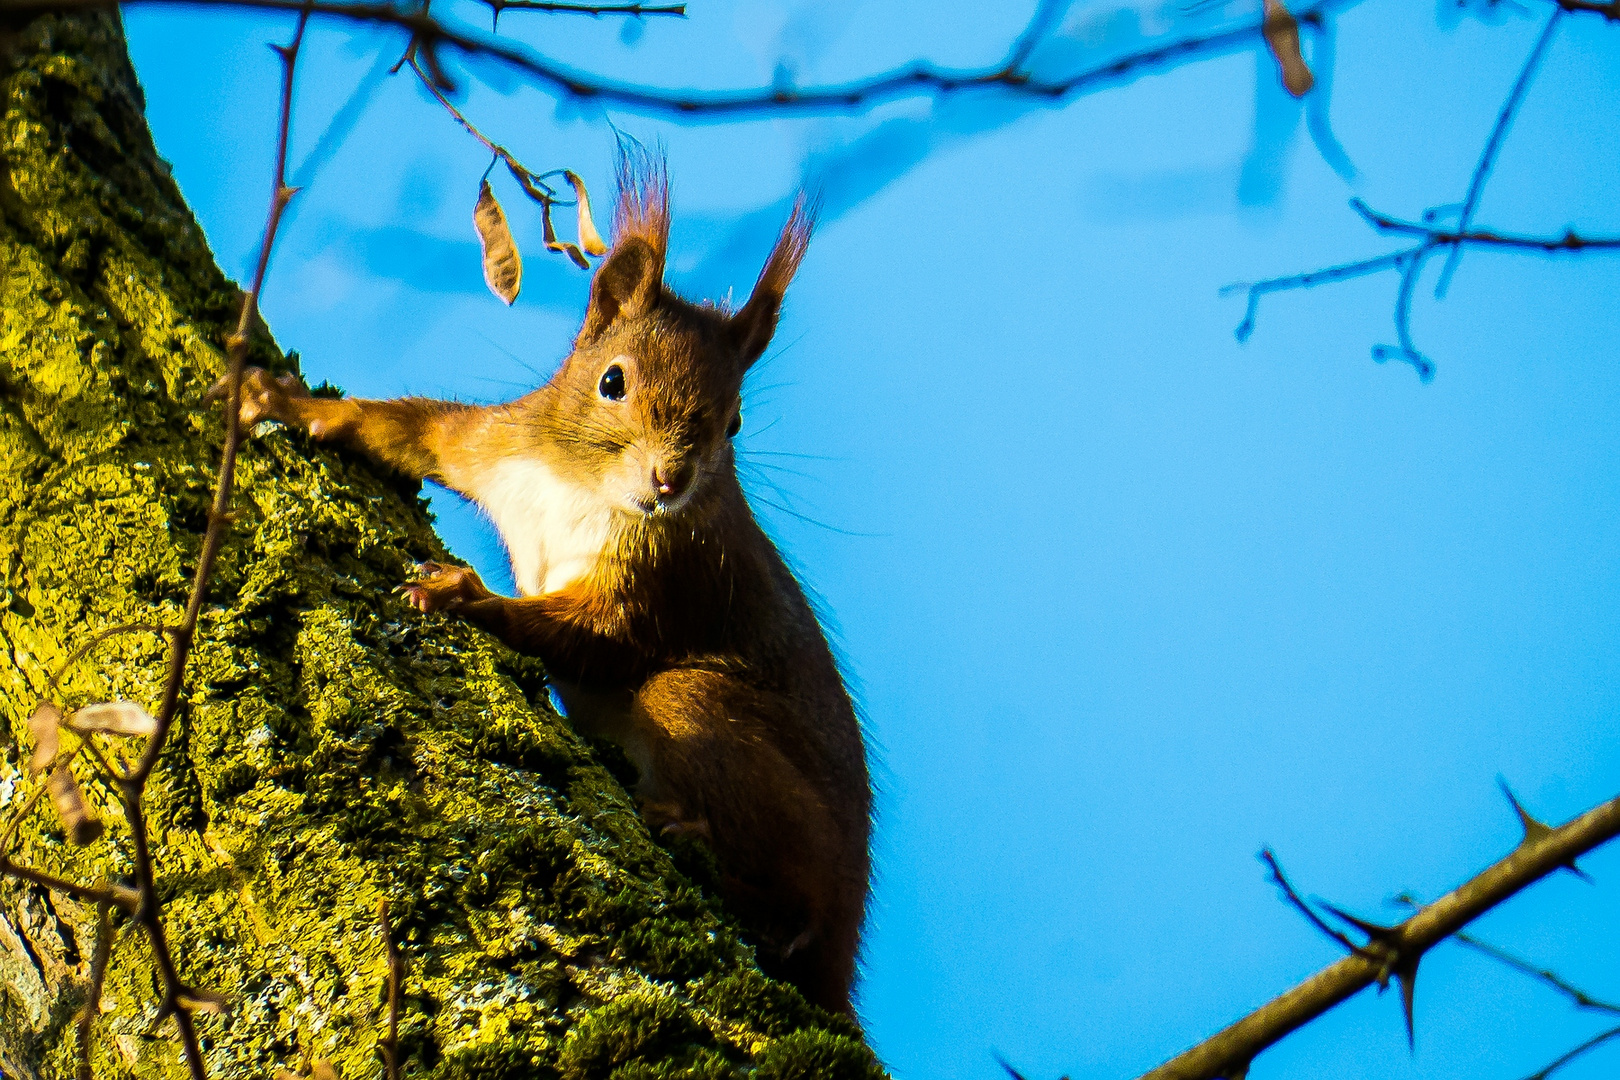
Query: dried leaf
[[503, 266], [284, 1074], [553, 244], [589, 238], [204, 1001], [81, 823], [1281, 32], [113, 718], [45, 726], [322, 1070]]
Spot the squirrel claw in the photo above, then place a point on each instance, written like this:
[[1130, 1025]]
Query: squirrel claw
[[264, 396], [442, 588]]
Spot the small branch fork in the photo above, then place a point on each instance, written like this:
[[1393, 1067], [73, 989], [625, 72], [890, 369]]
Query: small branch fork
[[1397, 950], [1010, 74], [533, 184], [142, 902], [1432, 238]]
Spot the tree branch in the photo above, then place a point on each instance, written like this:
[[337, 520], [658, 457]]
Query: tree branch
[[1579, 997], [919, 78], [1487, 157], [594, 10], [1400, 946]]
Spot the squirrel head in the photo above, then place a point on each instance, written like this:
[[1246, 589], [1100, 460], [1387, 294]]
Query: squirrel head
[[644, 408]]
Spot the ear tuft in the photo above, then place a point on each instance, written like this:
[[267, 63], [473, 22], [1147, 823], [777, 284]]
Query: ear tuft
[[629, 280], [752, 327], [643, 208]]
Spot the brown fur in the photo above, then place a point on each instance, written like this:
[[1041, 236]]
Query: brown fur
[[681, 634]]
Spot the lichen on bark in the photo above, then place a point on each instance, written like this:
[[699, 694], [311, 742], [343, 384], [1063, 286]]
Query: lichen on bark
[[332, 747]]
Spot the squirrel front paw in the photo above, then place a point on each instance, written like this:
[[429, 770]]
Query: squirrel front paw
[[264, 396], [444, 588]]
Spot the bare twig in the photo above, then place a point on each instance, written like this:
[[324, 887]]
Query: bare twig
[[1579, 997], [1431, 239], [595, 10], [143, 901], [533, 184], [1564, 1059], [1493, 145], [1395, 947], [396, 973], [1610, 10], [1269, 857], [122, 896], [913, 79], [83, 650], [1409, 261], [1570, 241], [92, 1000]]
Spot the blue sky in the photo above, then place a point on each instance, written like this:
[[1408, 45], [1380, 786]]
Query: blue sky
[[1123, 599]]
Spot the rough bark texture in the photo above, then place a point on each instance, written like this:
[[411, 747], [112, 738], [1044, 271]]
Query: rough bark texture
[[333, 747]]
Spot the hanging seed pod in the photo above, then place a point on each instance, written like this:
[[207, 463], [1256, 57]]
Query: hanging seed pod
[[1281, 32], [503, 266], [77, 817], [589, 238], [553, 244], [113, 718], [45, 727]]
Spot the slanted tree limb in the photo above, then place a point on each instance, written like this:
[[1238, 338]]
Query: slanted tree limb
[[1395, 949]]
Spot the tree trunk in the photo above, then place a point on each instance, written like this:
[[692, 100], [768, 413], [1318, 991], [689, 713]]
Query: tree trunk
[[333, 748]]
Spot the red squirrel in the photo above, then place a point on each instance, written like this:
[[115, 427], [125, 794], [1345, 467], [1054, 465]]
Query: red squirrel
[[667, 620]]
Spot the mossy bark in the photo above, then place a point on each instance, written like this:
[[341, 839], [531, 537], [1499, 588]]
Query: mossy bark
[[332, 747]]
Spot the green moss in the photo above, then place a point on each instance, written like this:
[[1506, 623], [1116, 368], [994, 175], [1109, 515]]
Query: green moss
[[333, 747]]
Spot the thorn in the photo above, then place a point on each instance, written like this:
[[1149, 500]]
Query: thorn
[[1536, 831], [1376, 932], [1012, 1072], [1406, 975]]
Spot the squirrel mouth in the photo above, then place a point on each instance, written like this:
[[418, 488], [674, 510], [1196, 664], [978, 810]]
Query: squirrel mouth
[[659, 505]]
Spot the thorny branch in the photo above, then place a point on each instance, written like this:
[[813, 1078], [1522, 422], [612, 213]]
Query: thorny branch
[[142, 901], [1432, 238], [1393, 950]]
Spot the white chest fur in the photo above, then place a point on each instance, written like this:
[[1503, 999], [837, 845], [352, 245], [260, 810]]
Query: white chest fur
[[554, 530]]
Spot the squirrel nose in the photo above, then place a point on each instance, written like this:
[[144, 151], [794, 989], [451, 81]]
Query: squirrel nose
[[671, 478]]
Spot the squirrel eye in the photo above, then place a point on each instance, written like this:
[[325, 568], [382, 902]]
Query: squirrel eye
[[735, 425], [612, 384]]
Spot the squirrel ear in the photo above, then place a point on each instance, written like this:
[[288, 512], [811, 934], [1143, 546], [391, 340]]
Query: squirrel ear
[[626, 285], [752, 327]]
